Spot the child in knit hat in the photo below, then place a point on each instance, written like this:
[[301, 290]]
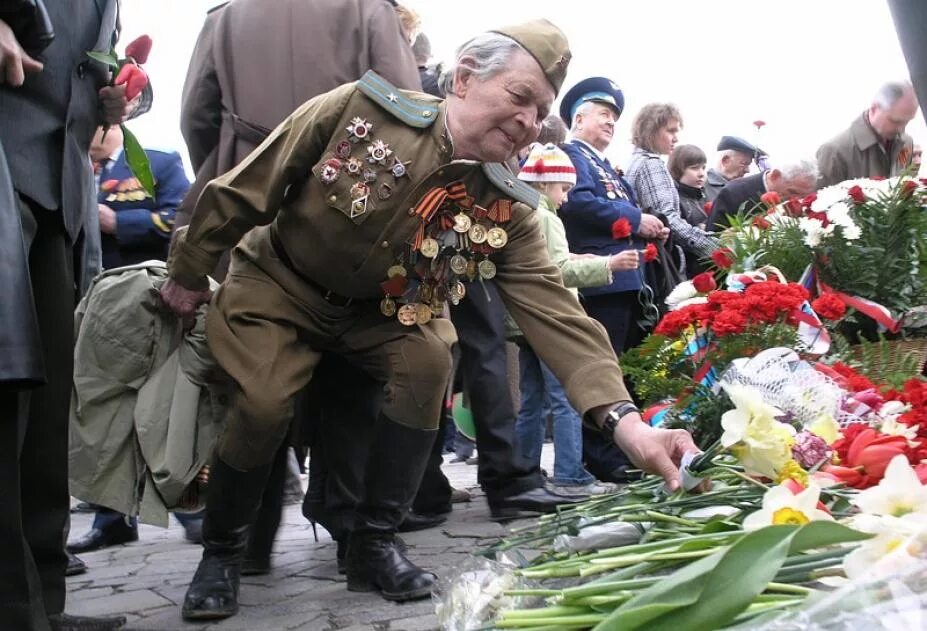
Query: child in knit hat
[[550, 171]]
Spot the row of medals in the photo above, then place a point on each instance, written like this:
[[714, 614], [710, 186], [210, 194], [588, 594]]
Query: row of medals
[[437, 286]]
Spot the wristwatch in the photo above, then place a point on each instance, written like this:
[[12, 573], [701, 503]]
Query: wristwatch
[[615, 415]]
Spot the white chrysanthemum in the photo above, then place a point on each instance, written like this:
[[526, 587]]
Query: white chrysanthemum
[[813, 229], [851, 232]]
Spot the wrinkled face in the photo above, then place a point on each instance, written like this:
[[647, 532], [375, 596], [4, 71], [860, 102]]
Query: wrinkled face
[[491, 119], [795, 187], [596, 125], [890, 122], [667, 137], [735, 165], [694, 175]]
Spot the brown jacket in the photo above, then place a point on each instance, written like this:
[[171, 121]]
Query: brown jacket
[[283, 184], [857, 153], [256, 61]]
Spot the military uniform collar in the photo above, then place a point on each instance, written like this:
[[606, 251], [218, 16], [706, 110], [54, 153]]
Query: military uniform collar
[[600, 155]]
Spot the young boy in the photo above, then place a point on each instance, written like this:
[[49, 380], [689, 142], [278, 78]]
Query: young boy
[[550, 170]]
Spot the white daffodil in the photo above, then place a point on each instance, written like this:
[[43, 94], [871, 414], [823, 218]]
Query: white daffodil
[[892, 427], [761, 443], [781, 506], [897, 545], [898, 494]]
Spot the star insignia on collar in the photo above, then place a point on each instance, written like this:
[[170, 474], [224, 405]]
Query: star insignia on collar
[[510, 183], [392, 97]]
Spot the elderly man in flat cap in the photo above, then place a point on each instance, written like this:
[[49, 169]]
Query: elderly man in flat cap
[[734, 158], [357, 219]]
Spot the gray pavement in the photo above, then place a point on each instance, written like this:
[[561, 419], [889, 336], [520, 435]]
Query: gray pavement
[[146, 580]]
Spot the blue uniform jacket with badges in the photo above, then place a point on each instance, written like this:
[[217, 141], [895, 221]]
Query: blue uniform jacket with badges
[[143, 223], [601, 197]]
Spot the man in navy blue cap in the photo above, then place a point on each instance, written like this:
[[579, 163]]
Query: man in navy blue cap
[[733, 162], [592, 216]]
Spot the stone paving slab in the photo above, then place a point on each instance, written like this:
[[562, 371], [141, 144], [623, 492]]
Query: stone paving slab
[[146, 580]]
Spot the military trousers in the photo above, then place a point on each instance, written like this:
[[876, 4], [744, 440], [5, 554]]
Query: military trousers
[[268, 328]]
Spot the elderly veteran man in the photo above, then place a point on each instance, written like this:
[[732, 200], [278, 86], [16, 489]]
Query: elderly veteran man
[[374, 207], [875, 144], [734, 158]]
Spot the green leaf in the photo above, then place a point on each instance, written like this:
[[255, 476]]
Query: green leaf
[[109, 59], [712, 591], [137, 160]]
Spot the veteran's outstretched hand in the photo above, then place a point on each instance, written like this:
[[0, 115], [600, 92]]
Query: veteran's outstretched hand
[[182, 301], [653, 449]]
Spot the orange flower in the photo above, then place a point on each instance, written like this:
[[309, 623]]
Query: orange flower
[[771, 198]]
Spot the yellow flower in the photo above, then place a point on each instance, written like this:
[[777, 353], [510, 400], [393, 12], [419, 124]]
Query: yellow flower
[[789, 516], [678, 346], [792, 471], [761, 443], [781, 506], [826, 427]]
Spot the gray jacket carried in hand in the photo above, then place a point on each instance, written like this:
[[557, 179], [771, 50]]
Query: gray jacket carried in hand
[[148, 401]]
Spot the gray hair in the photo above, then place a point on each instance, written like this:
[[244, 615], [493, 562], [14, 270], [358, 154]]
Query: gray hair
[[582, 109], [490, 52], [890, 93], [798, 168]]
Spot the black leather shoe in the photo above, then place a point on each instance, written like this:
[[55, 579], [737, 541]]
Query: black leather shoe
[[256, 566], [376, 562], [417, 521], [213, 592], [529, 503], [66, 622], [114, 534], [75, 566]]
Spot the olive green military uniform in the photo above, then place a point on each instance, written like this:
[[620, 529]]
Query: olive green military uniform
[[344, 243]]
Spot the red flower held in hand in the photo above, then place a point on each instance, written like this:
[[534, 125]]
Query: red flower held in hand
[[139, 48], [856, 192], [650, 253], [829, 306], [704, 282], [723, 258], [771, 198], [134, 79], [621, 229], [708, 206]]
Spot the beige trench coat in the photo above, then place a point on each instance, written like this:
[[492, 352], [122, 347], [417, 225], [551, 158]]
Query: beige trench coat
[[857, 153]]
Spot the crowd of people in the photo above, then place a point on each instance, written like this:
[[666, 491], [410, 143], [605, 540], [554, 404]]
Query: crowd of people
[[363, 235]]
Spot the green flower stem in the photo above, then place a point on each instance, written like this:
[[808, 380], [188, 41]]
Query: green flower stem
[[604, 601], [545, 612], [558, 622], [603, 565], [544, 593], [785, 588], [599, 589]]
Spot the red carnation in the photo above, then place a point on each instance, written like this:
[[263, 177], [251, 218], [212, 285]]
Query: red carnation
[[761, 223], [723, 258], [139, 48], [793, 207], [807, 200], [729, 323], [771, 198], [908, 188], [856, 192], [820, 216], [650, 253], [704, 283], [829, 306], [621, 229], [708, 206]]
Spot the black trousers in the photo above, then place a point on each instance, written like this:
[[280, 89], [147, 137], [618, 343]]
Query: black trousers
[[34, 441], [479, 319]]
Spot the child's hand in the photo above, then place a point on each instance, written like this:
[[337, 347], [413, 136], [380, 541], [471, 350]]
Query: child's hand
[[624, 261]]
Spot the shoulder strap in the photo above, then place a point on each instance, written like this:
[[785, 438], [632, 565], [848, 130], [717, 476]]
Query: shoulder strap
[[503, 179], [414, 112]]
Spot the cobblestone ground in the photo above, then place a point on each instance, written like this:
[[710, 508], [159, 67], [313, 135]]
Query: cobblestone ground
[[146, 580]]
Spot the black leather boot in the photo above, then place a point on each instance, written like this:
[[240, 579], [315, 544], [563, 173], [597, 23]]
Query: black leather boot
[[232, 502], [375, 559]]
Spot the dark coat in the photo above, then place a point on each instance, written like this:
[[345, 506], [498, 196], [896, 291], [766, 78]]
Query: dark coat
[[740, 194], [143, 223], [601, 197]]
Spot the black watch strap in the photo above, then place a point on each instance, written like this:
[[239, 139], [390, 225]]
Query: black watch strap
[[615, 415]]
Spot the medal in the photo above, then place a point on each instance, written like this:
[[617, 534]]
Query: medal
[[456, 292], [487, 269], [423, 313], [398, 168], [458, 264], [430, 248], [426, 292], [462, 223], [388, 307], [343, 150], [396, 270], [359, 129], [477, 233], [384, 191], [407, 315], [330, 170], [378, 152], [497, 237], [370, 175], [354, 166]]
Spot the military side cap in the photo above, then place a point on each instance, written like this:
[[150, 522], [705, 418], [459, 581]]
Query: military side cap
[[546, 43], [739, 144], [597, 89]]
